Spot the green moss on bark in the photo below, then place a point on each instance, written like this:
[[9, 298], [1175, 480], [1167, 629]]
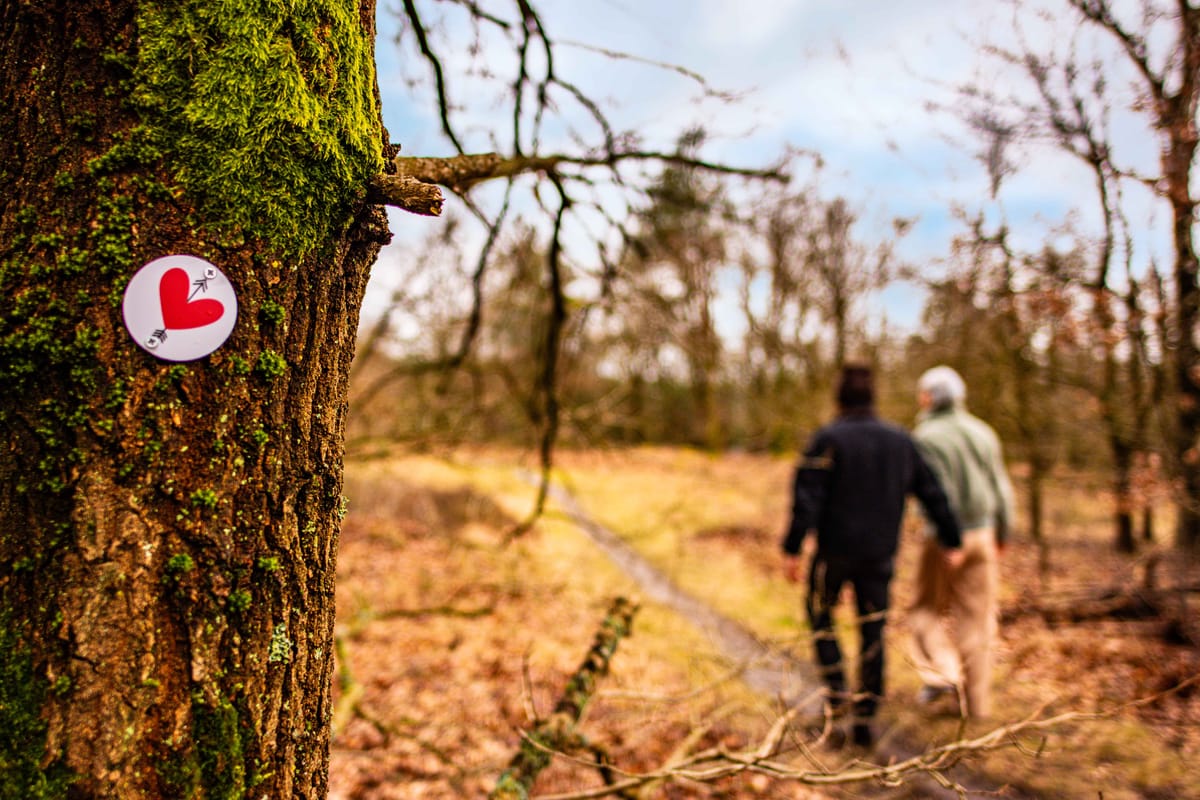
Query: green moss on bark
[[218, 743], [45, 338], [264, 110], [214, 766], [22, 730]]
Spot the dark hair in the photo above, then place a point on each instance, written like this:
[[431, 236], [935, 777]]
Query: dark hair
[[857, 388]]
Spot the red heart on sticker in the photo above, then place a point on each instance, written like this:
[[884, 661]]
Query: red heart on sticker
[[178, 311]]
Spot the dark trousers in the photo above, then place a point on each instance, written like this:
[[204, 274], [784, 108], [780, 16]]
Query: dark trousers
[[870, 580]]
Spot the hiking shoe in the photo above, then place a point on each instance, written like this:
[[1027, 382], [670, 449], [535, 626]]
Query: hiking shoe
[[862, 734]]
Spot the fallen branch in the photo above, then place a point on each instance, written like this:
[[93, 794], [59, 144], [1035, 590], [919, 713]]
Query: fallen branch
[[717, 763], [1148, 601], [436, 611], [559, 731], [366, 615]]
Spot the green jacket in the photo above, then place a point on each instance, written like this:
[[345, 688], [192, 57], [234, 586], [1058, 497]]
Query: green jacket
[[965, 453]]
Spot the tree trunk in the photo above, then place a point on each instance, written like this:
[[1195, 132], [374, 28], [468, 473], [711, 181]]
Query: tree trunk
[[1174, 95], [1187, 433], [1123, 489], [169, 529], [1177, 117], [1038, 470], [705, 358]]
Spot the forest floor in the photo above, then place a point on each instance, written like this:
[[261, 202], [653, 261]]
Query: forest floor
[[454, 638]]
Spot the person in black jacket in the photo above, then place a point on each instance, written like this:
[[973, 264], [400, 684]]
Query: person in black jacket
[[850, 487]]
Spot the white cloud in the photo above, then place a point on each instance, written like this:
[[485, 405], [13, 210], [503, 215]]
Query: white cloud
[[748, 24]]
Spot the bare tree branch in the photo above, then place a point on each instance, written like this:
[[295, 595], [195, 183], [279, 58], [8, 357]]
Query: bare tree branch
[[616, 55], [764, 758], [478, 13], [1100, 12], [407, 193], [414, 17], [549, 378], [594, 156], [460, 173]]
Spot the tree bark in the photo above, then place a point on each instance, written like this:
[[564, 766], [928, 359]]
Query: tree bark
[[168, 529], [1123, 491], [1187, 365]]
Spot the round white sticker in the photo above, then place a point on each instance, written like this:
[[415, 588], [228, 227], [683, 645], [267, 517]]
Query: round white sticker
[[179, 308]]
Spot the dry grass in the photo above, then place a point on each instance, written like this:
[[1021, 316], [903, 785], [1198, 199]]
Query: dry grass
[[456, 639]]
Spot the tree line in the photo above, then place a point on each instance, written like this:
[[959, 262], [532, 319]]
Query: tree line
[[639, 354], [725, 328], [1079, 344]]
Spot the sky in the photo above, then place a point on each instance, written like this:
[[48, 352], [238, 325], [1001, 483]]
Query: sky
[[848, 79]]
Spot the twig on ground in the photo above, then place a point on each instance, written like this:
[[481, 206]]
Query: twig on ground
[[716, 763]]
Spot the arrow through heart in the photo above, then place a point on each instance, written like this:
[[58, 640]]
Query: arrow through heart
[[180, 313]]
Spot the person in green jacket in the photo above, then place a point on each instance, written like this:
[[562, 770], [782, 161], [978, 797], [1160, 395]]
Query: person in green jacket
[[954, 616]]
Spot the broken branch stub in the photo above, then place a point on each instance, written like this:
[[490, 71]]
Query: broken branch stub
[[407, 193]]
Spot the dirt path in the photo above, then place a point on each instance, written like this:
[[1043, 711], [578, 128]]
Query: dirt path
[[767, 671]]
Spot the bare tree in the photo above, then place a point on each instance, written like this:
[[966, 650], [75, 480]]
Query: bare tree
[[807, 272], [1071, 109], [783, 362], [845, 270], [1002, 318], [592, 158], [1161, 42]]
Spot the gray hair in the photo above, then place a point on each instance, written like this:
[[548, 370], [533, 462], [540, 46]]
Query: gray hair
[[944, 386]]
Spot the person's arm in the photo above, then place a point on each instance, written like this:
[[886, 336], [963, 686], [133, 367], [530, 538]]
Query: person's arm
[[928, 490], [792, 563], [808, 498]]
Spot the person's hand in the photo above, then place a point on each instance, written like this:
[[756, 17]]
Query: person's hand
[[791, 568], [954, 558]]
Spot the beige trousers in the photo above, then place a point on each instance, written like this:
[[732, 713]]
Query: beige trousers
[[953, 619]]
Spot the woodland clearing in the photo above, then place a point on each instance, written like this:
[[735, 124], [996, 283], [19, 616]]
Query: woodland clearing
[[454, 639]]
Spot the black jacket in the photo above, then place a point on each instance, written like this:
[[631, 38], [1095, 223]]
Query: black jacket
[[851, 486]]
